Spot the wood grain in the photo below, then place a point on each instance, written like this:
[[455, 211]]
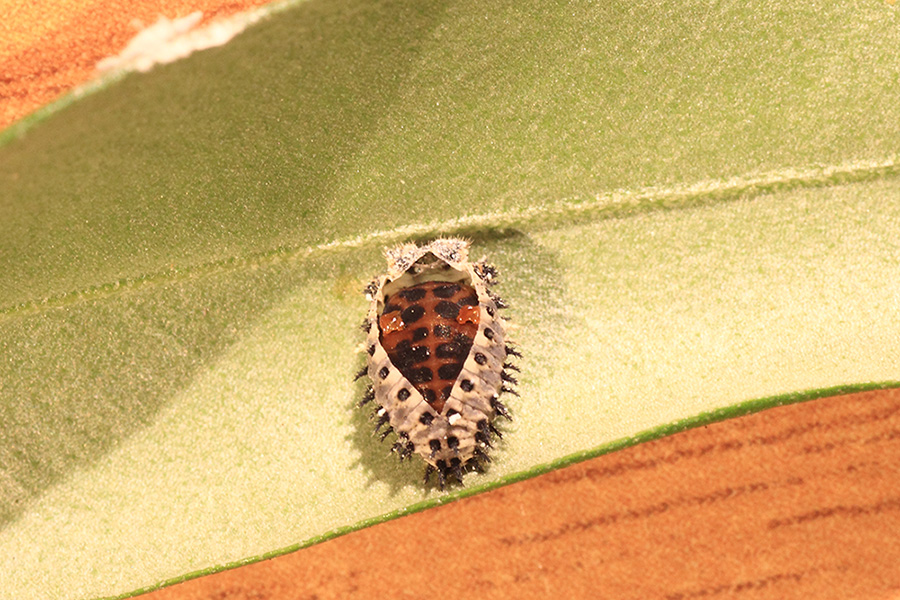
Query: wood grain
[[46, 51], [800, 501]]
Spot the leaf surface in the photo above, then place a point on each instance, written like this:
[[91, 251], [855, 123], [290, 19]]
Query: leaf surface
[[694, 209]]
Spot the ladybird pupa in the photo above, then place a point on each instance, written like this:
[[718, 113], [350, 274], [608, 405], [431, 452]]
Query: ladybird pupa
[[437, 356]]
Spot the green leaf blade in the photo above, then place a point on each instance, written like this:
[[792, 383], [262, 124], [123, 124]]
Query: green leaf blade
[[690, 214]]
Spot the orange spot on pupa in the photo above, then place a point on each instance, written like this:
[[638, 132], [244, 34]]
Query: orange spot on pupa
[[468, 314], [391, 322]]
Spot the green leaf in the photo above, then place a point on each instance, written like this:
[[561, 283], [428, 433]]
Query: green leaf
[[694, 208]]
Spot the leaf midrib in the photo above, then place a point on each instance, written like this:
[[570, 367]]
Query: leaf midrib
[[604, 205]]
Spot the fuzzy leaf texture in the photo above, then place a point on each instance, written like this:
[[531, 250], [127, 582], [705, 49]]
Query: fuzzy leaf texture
[[694, 208]]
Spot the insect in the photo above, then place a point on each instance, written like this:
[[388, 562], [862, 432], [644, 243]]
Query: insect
[[437, 356]]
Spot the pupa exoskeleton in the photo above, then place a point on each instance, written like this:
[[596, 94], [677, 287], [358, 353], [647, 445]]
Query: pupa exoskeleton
[[437, 356]]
